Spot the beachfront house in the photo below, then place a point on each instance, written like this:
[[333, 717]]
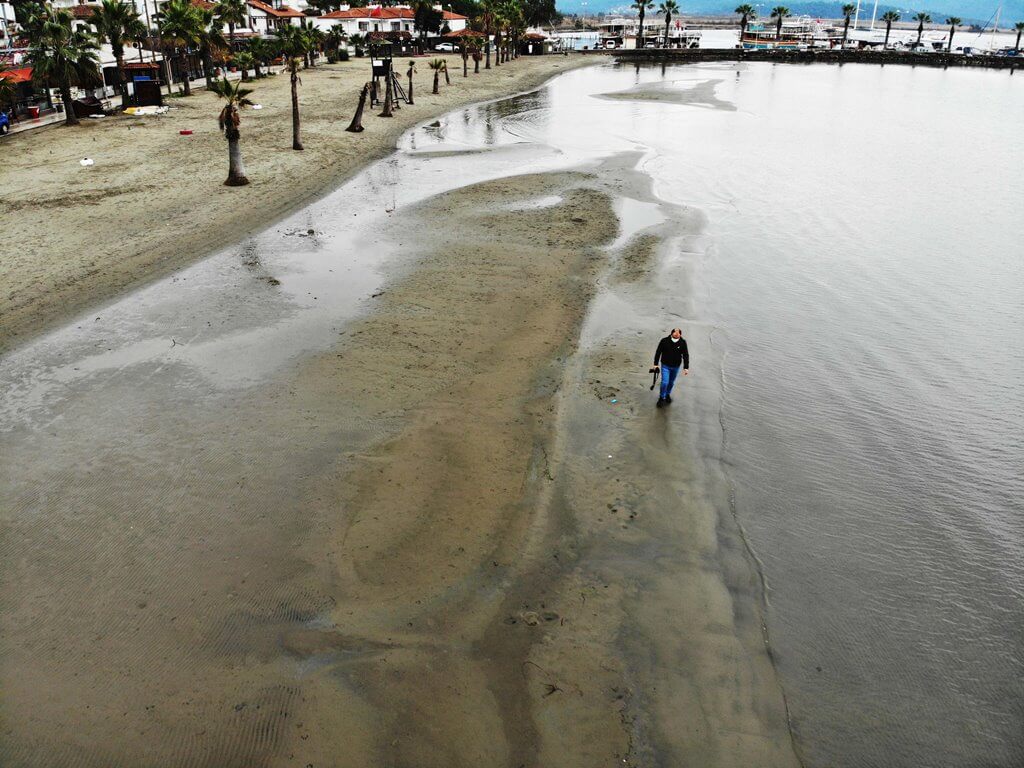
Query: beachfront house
[[393, 23]]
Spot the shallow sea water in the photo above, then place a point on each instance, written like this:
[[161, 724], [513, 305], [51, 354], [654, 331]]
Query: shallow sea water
[[861, 268]]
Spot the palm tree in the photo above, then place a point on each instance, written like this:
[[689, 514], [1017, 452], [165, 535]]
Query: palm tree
[[889, 17], [314, 40], [117, 23], [1019, 26], [181, 28], [642, 6], [746, 13], [779, 12], [294, 45], [244, 61], [487, 19], [236, 96], [261, 51], [437, 65], [952, 21], [848, 10], [669, 8], [360, 42], [210, 38], [232, 13], [333, 40], [921, 19], [61, 56], [515, 23]]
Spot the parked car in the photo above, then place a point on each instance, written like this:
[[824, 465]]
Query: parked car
[[5, 123], [446, 47]]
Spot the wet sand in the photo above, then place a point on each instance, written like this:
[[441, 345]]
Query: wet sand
[[435, 541], [154, 200], [409, 550]]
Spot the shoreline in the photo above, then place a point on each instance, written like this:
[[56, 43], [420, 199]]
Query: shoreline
[[148, 208]]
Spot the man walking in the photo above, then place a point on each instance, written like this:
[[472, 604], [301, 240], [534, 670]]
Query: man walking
[[672, 354]]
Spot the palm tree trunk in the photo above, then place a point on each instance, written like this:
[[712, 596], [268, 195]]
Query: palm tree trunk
[[231, 38], [184, 75], [437, 78], [121, 85], [465, 65], [207, 63], [476, 66], [778, 29], [69, 108], [296, 142], [487, 50], [640, 35], [356, 126], [920, 31], [497, 50], [888, 28], [447, 79], [846, 30], [952, 31], [1017, 44], [236, 170], [667, 19], [410, 84]]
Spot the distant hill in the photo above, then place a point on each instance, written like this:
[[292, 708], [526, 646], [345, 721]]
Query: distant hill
[[971, 11]]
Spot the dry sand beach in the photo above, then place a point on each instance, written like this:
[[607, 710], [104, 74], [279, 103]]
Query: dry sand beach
[[154, 201], [360, 562]]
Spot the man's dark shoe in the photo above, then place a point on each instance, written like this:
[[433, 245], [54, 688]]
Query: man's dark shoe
[[661, 402], [668, 398]]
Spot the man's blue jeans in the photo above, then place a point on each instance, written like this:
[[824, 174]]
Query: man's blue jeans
[[668, 378]]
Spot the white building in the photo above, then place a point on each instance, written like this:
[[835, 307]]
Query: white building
[[394, 21]]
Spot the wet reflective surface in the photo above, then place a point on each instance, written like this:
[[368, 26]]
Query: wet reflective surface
[[858, 275]]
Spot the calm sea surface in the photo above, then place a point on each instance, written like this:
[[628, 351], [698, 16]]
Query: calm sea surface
[[862, 271]]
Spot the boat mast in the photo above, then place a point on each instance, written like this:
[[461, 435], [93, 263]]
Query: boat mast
[[856, 17], [874, 13], [995, 28]]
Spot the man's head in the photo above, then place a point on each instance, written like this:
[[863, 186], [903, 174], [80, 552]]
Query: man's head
[[676, 334]]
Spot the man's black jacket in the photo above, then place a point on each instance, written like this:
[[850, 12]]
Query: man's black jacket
[[672, 353]]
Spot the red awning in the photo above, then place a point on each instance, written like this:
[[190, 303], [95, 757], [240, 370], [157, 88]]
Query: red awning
[[23, 75]]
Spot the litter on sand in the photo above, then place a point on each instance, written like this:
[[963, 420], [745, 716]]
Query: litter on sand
[[144, 111], [614, 400], [257, 106], [85, 162]]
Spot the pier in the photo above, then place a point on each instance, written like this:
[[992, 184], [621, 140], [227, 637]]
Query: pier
[[814, 56]]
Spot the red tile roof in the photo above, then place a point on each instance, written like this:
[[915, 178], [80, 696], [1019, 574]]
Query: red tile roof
[[284, 12], [82, 11]]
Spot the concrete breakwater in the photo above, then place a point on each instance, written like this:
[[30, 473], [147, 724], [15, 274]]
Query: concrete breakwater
[[836, 56]]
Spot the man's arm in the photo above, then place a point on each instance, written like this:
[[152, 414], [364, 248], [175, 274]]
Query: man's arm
[[657, 353], [686, 355]]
